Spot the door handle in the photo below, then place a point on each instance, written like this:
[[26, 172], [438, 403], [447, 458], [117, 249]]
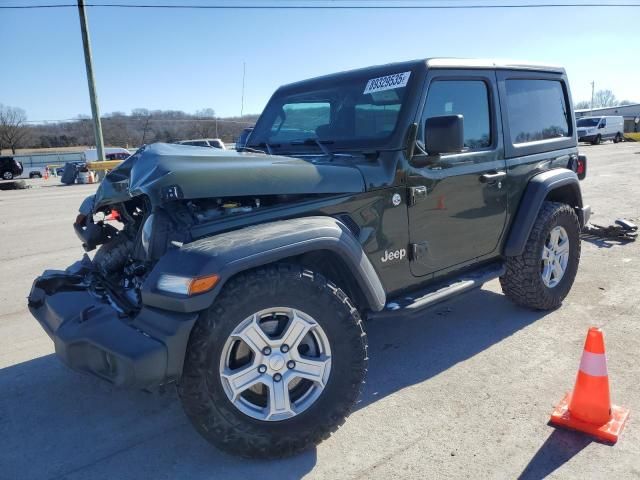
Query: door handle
[[493, 177]]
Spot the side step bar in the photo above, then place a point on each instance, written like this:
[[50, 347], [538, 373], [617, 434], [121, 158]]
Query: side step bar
[[416, 302]]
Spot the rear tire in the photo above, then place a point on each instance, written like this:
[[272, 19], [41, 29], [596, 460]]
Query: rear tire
[[618, 138], [243, 417], [8, 175], [524, 281]]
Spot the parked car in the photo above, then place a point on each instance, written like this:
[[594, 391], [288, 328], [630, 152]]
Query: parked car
[[32, 172], [204, 142], [597, 129], [241, 142], [245, 278], [10, 168], [35, 172]]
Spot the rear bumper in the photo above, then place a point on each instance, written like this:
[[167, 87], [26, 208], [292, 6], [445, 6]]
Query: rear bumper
[[90, 335]]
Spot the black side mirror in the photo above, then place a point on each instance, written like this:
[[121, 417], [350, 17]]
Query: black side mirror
[[602, 125], [444, 134]]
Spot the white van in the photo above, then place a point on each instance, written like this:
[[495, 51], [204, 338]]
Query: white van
[[112, 153], [596, 129]]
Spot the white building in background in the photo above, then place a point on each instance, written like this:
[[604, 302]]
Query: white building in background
[[631, 114]]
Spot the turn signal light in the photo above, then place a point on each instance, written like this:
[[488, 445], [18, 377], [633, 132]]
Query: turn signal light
[[203, 284], [186, 285]]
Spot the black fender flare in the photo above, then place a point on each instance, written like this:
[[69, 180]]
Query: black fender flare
[[538, 190], [230, 253]]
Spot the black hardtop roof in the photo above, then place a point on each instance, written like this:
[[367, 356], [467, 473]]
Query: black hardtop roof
[[431, 63]]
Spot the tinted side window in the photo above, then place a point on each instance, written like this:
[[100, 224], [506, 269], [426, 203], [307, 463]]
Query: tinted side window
[[469, 98], [537, 110]]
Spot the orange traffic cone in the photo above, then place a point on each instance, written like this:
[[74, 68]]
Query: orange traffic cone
[[588, 408]]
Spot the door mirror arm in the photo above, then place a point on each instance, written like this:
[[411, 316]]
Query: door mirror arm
[[444, 134]]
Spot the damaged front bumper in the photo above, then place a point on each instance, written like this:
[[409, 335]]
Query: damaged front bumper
[[91, 335]]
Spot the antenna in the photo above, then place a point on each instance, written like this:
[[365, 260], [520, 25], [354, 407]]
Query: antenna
[[244, 71]]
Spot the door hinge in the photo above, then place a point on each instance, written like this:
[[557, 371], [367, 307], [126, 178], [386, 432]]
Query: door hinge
[[418, 250], [416, 194]]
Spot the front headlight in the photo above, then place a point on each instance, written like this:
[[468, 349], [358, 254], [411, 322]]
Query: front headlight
[[186, 285]]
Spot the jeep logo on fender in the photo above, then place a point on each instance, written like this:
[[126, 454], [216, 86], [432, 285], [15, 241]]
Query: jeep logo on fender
[[389, 256]]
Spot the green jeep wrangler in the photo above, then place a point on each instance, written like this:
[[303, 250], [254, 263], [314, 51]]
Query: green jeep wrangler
[[244, 277]]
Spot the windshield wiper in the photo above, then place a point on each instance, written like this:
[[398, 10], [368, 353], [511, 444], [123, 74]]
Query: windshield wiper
[[249, 149], [315, 141], [268, 146]]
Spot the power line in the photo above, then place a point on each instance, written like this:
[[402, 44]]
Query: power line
[[328, 7]]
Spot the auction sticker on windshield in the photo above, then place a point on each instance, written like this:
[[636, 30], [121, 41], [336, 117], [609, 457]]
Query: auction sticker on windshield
[[390, 82]]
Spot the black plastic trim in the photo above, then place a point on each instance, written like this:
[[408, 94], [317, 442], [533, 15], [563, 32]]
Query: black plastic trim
[[91, 336], [536, 192], [230, 253]]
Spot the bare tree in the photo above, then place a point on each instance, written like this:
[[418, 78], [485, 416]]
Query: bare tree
[[13, 129], [143, 116], [604, 98]]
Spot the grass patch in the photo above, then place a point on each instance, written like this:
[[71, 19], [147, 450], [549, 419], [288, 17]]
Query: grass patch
[[634, 137]]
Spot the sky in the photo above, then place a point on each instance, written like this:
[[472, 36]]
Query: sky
[[193, 59]]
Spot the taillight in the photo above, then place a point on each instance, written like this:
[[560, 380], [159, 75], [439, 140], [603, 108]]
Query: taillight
[[581, 167]]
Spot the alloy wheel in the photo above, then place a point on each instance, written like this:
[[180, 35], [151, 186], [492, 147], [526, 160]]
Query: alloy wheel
[[275, 364], [555, 256]]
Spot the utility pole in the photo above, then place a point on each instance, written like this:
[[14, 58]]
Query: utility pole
[[244, 70], [93, 96], [593, 90]]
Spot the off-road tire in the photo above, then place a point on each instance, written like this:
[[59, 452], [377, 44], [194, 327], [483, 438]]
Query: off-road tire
[[111, 257], [201, 390], [522, 282]]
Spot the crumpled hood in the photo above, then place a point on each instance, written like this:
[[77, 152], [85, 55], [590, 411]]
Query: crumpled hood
[[161, 170]]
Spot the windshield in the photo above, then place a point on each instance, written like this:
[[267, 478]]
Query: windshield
[[588, 122], [345, 110]]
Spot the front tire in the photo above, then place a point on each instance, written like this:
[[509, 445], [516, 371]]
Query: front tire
[[597, 140], [542, 276], [275, 365]]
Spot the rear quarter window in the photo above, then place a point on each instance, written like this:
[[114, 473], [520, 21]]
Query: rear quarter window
[[537, 110]]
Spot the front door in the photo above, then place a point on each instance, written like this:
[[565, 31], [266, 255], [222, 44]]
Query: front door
[[459, 202]]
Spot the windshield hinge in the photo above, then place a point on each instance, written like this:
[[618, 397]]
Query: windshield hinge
[[416, 194]]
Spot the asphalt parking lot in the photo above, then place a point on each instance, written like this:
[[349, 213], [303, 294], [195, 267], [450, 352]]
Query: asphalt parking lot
[[464, 392]]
